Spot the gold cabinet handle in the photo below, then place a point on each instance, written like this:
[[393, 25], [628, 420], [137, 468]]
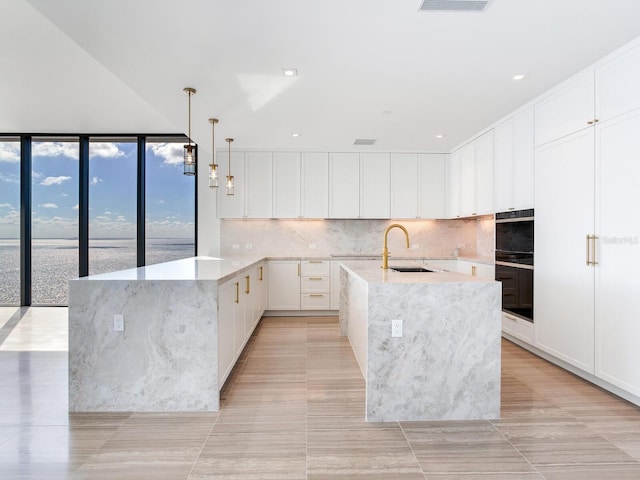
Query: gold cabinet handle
[[237, 300], [588, 252], [315, 261], [260, 270], [593, 247], [473, 270], [316, 295], [315, 278], [248, 284], [298, 268]]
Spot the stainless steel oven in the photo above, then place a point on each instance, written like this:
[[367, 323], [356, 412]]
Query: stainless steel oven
[[514, 261]]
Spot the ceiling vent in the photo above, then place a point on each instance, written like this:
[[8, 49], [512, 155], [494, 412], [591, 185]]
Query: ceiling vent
[[364, 141], [454, 5]]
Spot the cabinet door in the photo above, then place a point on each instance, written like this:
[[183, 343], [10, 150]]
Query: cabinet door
[[453, 185], [315, 185], [503, 161], [565, 111], [467, 180], [260, 286], [259, 186], [344, 185], [231, 206], [431, 185], [563, 282], [523, 160], [618, 85], [404, 185], [283, 288], [618, 252], [226, 321], [286, 185], [335, 285], [375, 170], [483, 151]]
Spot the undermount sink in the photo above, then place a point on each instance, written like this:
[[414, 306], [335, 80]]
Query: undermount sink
[[410, 269]]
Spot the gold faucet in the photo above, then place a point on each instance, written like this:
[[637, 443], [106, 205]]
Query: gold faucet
[[385, 251]]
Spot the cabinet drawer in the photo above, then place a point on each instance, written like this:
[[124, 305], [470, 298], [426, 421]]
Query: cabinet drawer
[[315, 285], [315, 301], [315, 268], [521, 329]]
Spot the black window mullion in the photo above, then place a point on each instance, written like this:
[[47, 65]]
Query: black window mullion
[[25, 220], [83, 206], [141, 207]]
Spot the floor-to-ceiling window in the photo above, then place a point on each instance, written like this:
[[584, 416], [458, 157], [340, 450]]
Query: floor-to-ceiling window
[[112, 205], [9, 221], [54, 217], [170, 212]]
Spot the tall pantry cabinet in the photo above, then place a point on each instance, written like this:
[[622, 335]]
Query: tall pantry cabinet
[[587, 230]]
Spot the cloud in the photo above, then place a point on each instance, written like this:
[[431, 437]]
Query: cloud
[[76, 207], [104, 150], [160, 201], [9, 178], [64, 194], [56, 149], [48, 205], [121, 218], [172, 153], [9, 152], [6, 205], [95, 180], [54, 180]]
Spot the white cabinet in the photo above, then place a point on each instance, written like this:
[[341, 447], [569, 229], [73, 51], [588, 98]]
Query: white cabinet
[[476, 176], [518, 328], [375, 189], [258, 198], [475, 269], [467, 180], [566, 110], [283, 287], [228, 292], [231, 206], [404, 185], [431, 185], [514, 163], [617, 309], [315, 285], [344, 185], [314, 198], [286, 185], [453, 185], [618, 85], [563, 282], [335, 285]]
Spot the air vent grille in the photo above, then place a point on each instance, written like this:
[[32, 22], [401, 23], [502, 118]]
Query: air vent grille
[[454, 5], [364, 141]]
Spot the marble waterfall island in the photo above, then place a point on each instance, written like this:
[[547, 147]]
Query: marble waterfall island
[[446, 365], [167, 357]]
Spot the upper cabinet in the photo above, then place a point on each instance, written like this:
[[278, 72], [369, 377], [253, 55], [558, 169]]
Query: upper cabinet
[[404, 185], [417, 185], [286, 185], [314, 195], [471, 178], [618, 85], [344, 185], [566, 110], [431, 185], [258, 174], [375, 194], [514, 163]]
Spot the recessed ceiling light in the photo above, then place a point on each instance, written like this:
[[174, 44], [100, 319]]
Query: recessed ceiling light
[[440, 135], [295, 134], [386, 112], [290, 72], [519, 76]]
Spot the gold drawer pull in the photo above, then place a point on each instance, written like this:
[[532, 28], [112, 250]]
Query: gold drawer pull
[[315, 261], [316, 295], [316, 278], [237, 300], [248, 280], [260, 269]]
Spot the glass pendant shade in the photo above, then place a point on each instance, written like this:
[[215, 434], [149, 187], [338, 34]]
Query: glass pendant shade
[[190, 159], [230, 185], [213, 166], [213, 175]]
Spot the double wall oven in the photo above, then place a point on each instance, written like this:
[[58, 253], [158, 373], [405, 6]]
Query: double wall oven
[[514, 261]]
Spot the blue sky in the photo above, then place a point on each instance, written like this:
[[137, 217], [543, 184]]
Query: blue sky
[[112, 190]]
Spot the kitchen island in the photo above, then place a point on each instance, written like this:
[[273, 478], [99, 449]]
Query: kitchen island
[[167, 351], [446, 364]]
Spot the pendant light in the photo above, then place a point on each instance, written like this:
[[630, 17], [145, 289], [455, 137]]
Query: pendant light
[[213, 166], [230, 185], [190, 151]]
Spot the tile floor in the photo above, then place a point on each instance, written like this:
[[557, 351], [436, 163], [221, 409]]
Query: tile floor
[[293, 409]]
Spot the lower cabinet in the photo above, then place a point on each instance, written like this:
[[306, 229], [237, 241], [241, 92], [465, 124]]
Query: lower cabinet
[[283, 289], [315, 285]]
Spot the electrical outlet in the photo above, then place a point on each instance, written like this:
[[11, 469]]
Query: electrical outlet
[[235, 246], [118, 323], [248, 246], [415, 246], [313, 246], [396, 328]]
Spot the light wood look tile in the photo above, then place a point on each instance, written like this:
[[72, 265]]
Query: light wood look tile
[[293, 408]]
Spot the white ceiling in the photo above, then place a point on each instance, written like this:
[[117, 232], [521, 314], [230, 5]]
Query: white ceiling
[[121, 65]]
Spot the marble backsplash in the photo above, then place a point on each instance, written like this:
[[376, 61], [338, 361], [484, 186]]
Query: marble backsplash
[[302, 238]]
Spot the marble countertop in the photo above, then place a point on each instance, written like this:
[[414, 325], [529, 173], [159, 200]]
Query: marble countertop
[[194, 268], [371, 272]]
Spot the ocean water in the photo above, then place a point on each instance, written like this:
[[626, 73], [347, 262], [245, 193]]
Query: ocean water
[[55, 261]]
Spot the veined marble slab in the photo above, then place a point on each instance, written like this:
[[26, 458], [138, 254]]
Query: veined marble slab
[[166, 359], [446, 366]]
